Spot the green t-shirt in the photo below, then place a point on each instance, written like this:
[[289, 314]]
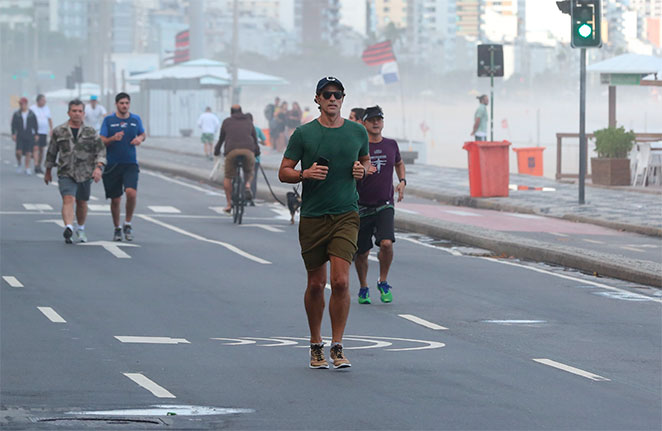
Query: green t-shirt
[[481, 113], [341, 146]]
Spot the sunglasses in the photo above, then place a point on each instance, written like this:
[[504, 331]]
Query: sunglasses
[[337, 94]]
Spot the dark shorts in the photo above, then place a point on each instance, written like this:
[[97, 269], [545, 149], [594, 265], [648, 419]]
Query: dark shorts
[[328, 235], [69, 187], [43, 141], [380, 225], [25, 145], [231, 163], [117, 178]]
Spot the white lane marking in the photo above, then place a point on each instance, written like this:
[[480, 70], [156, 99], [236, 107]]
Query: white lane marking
[[515, 322], [218, 210], [164, 209], [567, 277], [593, 241], [181, 183], [155, 389], [230, 247], [278, 343], [54, 220], [527, 216], [38, 207], [572, 370], [429, 344], [376, 344], [462, 213], [99, 207], [422, 322], [625, 247], [643, 245], [236, 341], [624, 296], [283, 213], [94, 198], [263, 226], [562, 235], [113, 247], [166, 410], [12, 281], [407, 211], [415, 241], [151, 340], [52, 315], [373, 258], [52, 183]]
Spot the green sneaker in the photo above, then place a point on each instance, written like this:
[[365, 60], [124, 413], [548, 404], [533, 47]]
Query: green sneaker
[[364, 296], [385, 290]]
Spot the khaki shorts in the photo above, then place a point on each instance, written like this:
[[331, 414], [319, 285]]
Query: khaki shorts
[[249, 163], [328, 235]]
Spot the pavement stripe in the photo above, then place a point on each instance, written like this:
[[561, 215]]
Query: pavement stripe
[[593, 241], [181, 183], [415, 241], [515, 322], [165, 209], [98, 207], [56, 221], [572, 370], [235, 341], [12, 281], [52, 315], [462, 213], [151, 386], [230, 247], [527, 216], [562, 235], [37, 207], [113, 247], [567, 277], [263, 226], [151, 340], [625, 247], [422, 322], [373, 258]]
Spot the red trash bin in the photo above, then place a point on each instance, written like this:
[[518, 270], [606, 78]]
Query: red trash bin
[[529, 160], [488, 168]]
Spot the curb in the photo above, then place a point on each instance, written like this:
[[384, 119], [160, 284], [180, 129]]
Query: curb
[[637, 271]]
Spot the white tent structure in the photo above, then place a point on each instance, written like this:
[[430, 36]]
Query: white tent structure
[[172, 98]]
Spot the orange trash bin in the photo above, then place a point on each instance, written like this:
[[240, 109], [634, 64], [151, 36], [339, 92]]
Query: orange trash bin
[[267, 135], [489, 171], [529, 160]]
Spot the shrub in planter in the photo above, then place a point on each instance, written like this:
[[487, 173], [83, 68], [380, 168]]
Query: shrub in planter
[[612, 167]]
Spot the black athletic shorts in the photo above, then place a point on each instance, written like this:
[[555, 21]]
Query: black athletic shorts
[[380, 225], [119, 177], [43, 141]]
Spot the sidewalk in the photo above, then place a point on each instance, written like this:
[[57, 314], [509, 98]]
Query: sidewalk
[[622, 209]]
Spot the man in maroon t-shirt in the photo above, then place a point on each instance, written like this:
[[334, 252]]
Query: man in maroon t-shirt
[[376, 205]]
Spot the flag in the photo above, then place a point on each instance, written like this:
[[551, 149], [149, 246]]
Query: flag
[[182, 47], [378, 54], [389, 72]]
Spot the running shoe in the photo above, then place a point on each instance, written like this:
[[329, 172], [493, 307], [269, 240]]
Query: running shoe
[[385, 290], [28, 172], [80, 235], [68, 233], [338, 357], [317, 359], [117, 236], [38, 170], [364, 296], [19, 170], [128, 232]]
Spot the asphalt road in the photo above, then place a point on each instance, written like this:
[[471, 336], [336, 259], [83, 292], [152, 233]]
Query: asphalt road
[[469, 342]]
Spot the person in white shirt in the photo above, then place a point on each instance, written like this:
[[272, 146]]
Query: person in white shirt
[[44, 130], [94, 113], [209, 124]]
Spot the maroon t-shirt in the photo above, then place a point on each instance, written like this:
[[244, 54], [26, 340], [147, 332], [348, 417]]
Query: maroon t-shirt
[[377, 189]]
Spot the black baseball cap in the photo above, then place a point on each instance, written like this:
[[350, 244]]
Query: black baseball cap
[[328, 80], [373, 111]]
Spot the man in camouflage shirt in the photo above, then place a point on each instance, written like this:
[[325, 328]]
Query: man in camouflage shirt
[[80, 157]]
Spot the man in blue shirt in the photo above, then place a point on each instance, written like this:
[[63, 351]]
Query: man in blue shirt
[[122, 132]]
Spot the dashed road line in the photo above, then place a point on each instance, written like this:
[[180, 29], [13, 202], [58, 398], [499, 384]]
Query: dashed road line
[[12, 281], [164, 209], [462, 213], [562, 235], [263, 226], [55, 221], [526, 216], [181, 183], [422, 322], [113, 247], [573, 370], [99, 207], [228, 246], [157, 390], [151, 340], [593, 241], [38, 207], [625, 247], [51, 315]]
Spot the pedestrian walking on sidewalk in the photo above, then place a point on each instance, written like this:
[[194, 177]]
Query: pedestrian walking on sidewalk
[[121, 132], [80, 157], [208, 124], [94, 113], [334, 154], [44, 130], [376, 205], [238, 134], [479, 131], [356, 115], [24, 130]]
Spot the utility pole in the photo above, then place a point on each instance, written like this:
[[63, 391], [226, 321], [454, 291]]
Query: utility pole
[[234, 89]]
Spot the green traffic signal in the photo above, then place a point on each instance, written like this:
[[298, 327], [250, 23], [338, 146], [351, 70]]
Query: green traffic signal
[[585, 16], [585, 30]]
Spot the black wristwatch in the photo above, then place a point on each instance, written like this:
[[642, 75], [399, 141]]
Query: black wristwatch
[[301, 175], [403, 180]]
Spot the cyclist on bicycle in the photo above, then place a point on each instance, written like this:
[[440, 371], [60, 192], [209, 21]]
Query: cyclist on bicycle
[[240, 139]]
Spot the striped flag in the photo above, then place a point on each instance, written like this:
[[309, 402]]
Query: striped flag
[[379, 53], [182, 47]]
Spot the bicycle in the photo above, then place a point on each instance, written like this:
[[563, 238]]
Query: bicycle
[[238, 191]]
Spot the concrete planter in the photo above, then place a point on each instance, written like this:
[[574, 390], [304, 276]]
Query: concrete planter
[[408, 157], [610, 172]]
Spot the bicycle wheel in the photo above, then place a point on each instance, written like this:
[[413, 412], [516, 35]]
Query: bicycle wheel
[[235, 198], [241, 199]]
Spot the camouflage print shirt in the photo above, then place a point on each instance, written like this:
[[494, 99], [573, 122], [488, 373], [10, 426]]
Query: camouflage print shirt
[[76, 158]]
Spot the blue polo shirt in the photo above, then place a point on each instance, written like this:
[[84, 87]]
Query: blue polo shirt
[[121, 152]]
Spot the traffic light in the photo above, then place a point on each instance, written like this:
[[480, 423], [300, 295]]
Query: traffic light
[[585, 24], [485, 67], [78, 74]]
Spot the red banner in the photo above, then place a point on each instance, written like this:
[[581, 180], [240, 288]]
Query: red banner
[[379, 53]]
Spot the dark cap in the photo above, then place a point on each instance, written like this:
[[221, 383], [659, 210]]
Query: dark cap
[[372, 112], [328, 80], [481, 96]]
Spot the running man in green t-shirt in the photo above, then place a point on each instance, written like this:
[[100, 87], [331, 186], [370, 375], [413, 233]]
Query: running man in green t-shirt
[[334, 154]]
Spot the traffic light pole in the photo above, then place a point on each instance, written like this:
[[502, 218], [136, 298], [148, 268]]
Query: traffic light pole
[[582, 124]]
